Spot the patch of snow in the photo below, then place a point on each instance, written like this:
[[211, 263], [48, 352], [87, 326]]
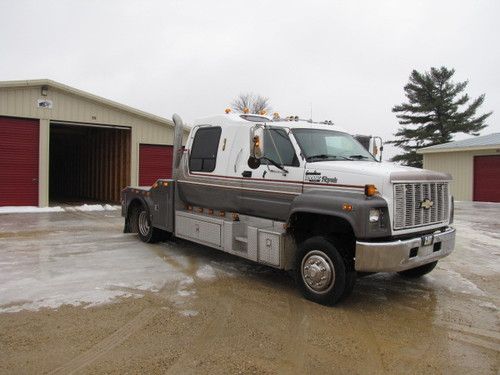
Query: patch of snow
[[455, 282], [185, 293], [189, 313], [109, 207], [206, 273], [28, 209], [90, 207], [489, 306]]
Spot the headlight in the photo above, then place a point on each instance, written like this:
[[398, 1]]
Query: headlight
[[374, 215]]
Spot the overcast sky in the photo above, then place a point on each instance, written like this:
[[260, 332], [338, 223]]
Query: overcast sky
[[349, 60]]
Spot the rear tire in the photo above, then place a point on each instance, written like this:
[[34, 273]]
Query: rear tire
[[142, 220], [321, 272], [419, 271]]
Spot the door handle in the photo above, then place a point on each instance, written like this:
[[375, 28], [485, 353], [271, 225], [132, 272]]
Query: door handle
[[247, 174]]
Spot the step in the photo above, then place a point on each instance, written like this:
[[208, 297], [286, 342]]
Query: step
[[241, 239]]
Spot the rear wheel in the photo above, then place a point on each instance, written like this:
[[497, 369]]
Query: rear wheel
[[321, 272], [419, 271], [142, 222]]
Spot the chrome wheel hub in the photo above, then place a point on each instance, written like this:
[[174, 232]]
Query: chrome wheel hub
[[143, 223], [318, 272]]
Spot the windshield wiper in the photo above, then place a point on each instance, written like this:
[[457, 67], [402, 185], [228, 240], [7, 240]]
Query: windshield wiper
[[358, 157], [279, 166], [325, 156]]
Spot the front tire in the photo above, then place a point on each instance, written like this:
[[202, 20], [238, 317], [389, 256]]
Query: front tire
[[321, 272], [419, 271]]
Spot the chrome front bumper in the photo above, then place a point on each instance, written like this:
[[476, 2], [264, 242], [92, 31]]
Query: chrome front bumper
[[402, 255]]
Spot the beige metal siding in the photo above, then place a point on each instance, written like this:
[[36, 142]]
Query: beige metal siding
[[460, 165], [71, 107], [22, 102]]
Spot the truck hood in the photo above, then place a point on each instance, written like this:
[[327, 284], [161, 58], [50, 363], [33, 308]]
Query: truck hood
[[361, 172]]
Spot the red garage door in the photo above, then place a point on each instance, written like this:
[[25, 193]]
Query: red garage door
[[18, 162], [487, 178], [154, 162]]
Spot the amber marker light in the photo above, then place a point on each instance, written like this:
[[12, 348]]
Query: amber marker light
[[228, 110], [246, 110], [370, 190], [256, 141], [347, 207]]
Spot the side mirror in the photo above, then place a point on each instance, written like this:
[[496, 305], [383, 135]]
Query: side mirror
[[253, 162], [257, 142], [378, 147]]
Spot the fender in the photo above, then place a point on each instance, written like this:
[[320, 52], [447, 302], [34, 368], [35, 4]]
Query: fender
[[325, 202]]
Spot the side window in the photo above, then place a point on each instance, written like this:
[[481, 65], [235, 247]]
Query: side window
[[279, 148], [204, 149]]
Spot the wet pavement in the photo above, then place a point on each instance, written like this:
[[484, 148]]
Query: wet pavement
[[78, 295]]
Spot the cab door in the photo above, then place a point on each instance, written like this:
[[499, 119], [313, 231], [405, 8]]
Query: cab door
[[268, 190]]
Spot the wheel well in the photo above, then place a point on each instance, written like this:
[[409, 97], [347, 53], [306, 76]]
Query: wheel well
[[131, 220], [303, 225]]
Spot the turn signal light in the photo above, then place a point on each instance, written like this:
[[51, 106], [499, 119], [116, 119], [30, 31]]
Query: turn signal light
[[370, 190], [347, 207]]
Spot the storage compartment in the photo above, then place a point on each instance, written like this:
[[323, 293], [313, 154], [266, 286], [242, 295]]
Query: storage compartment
[[202, 231], [269, 247]]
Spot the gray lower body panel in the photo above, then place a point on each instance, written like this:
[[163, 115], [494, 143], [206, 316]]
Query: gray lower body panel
[[273, 206]]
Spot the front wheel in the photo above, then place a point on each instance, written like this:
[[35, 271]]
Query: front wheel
[[419, 271], [322, 274]]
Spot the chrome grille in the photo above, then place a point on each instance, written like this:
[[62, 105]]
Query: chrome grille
[[408, 198]]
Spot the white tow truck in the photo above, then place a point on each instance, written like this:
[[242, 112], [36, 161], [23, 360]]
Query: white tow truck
[[299, 196]]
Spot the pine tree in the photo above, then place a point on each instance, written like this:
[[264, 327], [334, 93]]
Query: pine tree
[[437, 108]]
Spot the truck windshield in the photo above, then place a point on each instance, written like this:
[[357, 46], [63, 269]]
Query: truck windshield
[[322, 144]]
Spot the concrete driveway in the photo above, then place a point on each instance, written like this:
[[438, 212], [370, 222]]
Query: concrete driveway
[[78, 295]]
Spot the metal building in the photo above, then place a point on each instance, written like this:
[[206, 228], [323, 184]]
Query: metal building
[[60, 144], [474, 164]]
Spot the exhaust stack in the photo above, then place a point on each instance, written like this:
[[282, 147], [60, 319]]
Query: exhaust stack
[[178, 133]]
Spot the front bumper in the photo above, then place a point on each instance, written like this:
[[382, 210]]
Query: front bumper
[[402, 255]]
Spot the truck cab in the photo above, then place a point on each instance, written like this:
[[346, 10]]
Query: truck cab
[[299, 196]]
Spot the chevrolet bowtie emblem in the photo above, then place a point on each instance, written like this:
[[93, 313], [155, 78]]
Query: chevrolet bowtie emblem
[[426, 204]]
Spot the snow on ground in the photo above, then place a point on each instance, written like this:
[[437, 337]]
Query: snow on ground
[[33, 209], [28, 209]]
